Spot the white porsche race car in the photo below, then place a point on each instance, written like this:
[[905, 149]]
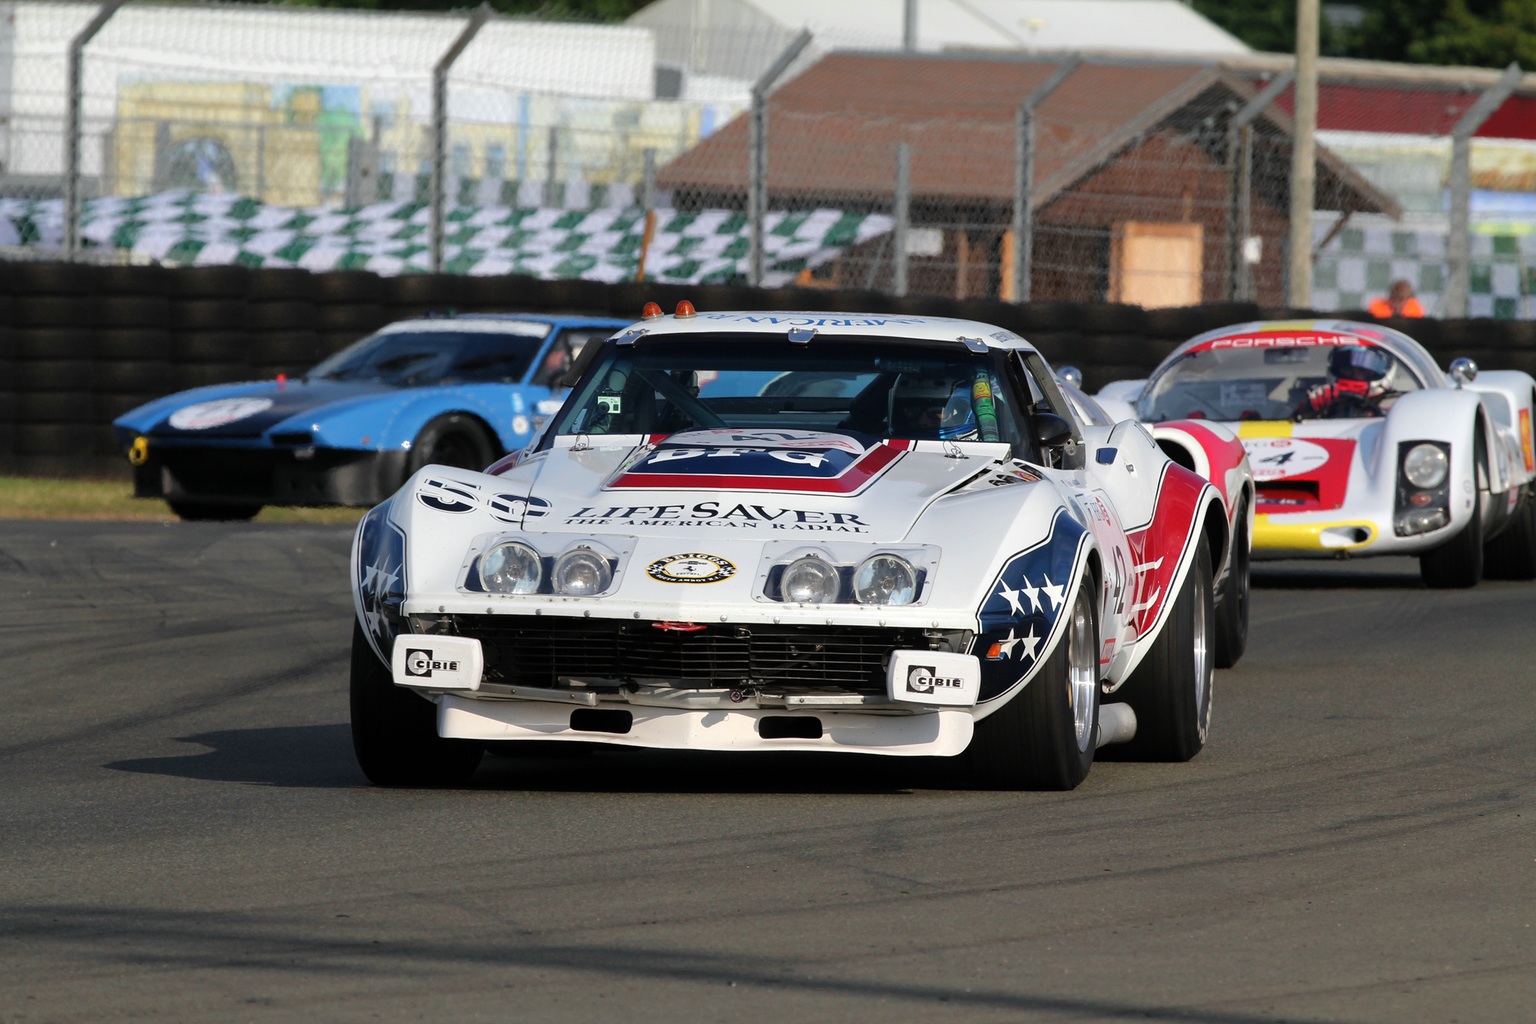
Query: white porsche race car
[[1361, 445], [797, 531]]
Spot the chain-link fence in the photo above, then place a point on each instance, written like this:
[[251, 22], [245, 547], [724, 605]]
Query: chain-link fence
[[470, 143]]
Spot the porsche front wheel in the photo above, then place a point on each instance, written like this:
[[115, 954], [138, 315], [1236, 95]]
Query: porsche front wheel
[[394, 731], [1459, 561], [1044, 737], [1170, 691]]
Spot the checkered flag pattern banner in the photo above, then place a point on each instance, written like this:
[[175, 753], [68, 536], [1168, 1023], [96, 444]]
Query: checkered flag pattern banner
[[604, 244], [1360, 264]]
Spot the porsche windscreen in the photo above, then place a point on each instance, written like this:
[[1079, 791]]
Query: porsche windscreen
[[419, 358], [881, 388], [1276, 382]]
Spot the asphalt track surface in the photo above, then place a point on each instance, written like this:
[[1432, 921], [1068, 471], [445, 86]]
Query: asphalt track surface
[[184, 835]]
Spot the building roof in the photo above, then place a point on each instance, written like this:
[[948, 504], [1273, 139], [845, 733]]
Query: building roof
[[835, 128]]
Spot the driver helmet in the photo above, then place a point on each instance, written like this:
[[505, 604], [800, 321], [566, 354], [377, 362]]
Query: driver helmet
[[932, 408], [1361, 370]]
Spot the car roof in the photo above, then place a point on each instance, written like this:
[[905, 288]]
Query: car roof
[[843, 325]]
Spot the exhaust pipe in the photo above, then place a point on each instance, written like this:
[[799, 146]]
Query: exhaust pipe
[[1117, 724]]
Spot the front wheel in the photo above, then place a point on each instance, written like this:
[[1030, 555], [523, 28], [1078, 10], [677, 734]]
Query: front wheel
[[394, 731], [1458, 563], [453, 440], [1512, 554], [1170, 691], [203, 511], [1044, 737]]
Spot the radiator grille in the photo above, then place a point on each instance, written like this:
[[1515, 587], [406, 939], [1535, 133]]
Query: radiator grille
[[537, 651]]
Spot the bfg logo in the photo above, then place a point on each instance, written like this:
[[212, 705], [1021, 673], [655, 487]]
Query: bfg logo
[[421, 663], [921, 679]]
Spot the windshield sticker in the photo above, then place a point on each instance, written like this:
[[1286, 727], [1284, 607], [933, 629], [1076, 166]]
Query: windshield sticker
[[811, 321], [206, 415], [1282, 341], [803, 469]]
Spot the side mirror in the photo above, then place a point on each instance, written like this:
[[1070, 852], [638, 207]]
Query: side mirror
[[1463, 371], [1051, 430]]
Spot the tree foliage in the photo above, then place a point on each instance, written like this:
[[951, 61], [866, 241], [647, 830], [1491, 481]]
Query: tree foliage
[[1478, 33]]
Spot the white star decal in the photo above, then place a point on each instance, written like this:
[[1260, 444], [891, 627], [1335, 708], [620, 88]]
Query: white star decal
[[1054, 592], [378, 581], [1012, 597], [1031, 644], [1033, 593], [1005, 647]]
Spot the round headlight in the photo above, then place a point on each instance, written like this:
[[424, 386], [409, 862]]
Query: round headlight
[[511, 567], [581, 572], [885, 579], [1425, 465], [809, 580]]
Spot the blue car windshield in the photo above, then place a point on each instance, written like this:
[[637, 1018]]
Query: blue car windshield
[[418, 358]]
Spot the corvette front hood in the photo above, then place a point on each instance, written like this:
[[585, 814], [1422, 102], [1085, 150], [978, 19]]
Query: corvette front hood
[[774, 487]]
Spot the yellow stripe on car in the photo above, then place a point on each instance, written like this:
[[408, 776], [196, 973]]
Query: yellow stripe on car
[[1264, 428], [1345, 535]]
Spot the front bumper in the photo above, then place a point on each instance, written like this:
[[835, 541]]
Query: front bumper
[[694, 691], [941, 732], [268, 476]]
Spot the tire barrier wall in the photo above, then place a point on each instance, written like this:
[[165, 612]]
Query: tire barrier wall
[[81, 344]]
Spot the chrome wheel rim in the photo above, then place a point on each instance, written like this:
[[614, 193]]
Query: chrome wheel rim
[[1082, 671]]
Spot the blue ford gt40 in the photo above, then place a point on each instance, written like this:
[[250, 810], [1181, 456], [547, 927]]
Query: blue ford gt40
[[456, 391]]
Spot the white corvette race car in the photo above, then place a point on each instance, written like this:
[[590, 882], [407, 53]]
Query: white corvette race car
[[797, 531], [1361, 445]]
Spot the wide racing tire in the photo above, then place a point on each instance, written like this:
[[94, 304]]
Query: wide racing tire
[[1170, 691], [1511, 555], [207, 511], [1044, 738], [452, 440], [394, 731], [1236, 595], [1458, 563]]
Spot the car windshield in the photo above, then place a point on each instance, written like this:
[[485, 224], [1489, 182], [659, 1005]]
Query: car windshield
[[417, 358], [884, 388], [1271, 382]]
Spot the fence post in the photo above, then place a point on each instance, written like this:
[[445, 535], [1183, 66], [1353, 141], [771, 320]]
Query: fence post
[[73, 126], [1024, 178], [757, 155], [1303, 157], [1458, 243], [1240, 156], [903, 214], [477, 19]]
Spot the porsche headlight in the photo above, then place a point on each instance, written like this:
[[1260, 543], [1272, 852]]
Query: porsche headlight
[[809, 580], [1426, 465], [581, 572], [885, 579], [511, 567]]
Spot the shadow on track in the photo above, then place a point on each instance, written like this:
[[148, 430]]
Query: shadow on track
[[320, 757]]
